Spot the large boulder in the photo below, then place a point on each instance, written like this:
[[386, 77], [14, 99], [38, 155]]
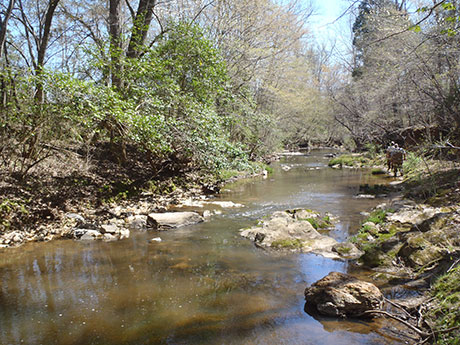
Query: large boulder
[[171, 220], [291, 230], [342, 295]]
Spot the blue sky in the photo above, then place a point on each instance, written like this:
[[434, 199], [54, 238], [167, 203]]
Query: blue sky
[[323, 26]]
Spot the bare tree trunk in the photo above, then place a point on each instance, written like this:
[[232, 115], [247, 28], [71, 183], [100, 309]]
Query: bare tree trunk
[[3, 28], [141, 25], [4, 25], [115, 41], [39, 95]]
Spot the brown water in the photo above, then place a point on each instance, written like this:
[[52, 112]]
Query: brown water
[[203, 284]]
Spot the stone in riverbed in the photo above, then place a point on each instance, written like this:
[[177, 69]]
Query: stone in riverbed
[[107, 232], [171, 220], [107, 237], [340, 294], [89, 235], [109, 229], [347, 250], [413, 216], [77, 217], [291, 230]]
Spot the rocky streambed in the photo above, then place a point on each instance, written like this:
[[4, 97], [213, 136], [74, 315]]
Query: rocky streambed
[[300, 230], [205, 283], [117, 222]]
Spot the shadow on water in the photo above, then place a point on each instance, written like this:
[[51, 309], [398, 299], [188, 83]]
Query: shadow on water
[[201, 285]]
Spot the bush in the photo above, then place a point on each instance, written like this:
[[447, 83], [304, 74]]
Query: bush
[[169, 106]]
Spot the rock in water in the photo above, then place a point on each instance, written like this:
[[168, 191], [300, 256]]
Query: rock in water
[[169, 220], [291, 230], [340, 294]]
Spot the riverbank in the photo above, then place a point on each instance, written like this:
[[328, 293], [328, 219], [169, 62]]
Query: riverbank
[[69, 189], [412, 244]]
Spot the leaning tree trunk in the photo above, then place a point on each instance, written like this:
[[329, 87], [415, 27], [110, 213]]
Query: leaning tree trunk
[[141, 27], [40, 94]]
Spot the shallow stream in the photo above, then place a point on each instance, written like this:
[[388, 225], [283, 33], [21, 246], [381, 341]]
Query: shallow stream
[[202, 284]]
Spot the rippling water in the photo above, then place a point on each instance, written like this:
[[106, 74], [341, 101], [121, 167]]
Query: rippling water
[[202, 284]]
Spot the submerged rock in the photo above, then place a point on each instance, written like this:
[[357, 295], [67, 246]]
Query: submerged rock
[[340, 294], [171, 220], [291, 230]]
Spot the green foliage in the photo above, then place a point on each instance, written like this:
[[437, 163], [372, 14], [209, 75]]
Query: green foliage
[[342, 249], [446, 314], [9, 209], [378, 216], [167, 105], [412, 163], [319, 223]]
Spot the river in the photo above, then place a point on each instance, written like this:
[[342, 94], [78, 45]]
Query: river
[[202, 284]]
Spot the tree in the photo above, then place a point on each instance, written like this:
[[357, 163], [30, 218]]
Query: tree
[[4, 25], [3, 31]]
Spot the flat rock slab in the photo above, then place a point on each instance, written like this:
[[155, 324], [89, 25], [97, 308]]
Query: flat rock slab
[[339, 294], [413, 216], [172, 220]]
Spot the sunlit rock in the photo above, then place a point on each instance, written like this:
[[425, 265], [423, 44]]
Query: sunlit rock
[[347, 250], [340, 294], [171, 220], [412, 216], [292, 230]]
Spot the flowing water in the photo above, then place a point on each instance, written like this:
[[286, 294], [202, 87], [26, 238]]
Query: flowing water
[[202, 284]]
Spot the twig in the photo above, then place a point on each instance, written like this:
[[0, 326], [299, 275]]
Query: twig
[[399, 306], [453, 265], [391, 316]]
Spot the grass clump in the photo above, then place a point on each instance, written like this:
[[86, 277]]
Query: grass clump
[[287, 244], [446, 314], [319, 223]]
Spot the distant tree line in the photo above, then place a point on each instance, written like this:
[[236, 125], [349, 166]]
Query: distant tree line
[[403, 80]]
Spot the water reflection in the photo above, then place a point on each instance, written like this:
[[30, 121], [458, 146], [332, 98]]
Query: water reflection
[[201, 285]]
